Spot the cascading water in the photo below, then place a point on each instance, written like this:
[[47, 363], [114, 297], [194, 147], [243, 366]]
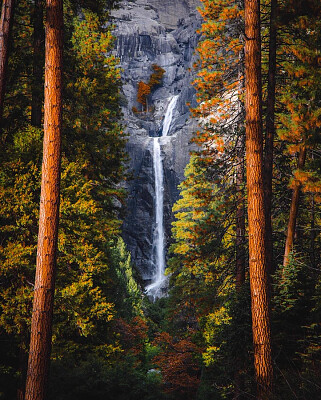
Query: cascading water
[[169, 115], [156, 288]]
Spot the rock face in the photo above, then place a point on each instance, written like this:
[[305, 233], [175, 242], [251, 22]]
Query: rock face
[[161, 32]]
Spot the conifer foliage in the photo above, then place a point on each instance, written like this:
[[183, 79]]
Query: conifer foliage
[[95, 282], [209, 232], [41, 326], [5, 29], [243, 314]]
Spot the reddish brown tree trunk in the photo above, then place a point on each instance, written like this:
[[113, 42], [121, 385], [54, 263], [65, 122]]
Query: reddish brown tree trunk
[[293, 212], [5, 28], [38, 62], [41, 327], [269, 138], [256, 214]]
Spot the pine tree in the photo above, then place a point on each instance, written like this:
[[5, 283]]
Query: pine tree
[[300, 120], [41, 326], [90, 263], [269, 135], [38, 61], [5, 28], [255, 193]]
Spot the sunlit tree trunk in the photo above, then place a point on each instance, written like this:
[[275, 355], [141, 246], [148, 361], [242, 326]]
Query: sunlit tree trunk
[[256, 211], [38, 61], [5, 27], [293, 212], [269, 137], [41, 327]]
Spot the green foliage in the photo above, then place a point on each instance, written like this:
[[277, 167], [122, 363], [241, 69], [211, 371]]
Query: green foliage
[[294, 320], [108, 340], [128, 295], [17, 107], [203, 292], [19, 196], [228, 345], [202, 247], [95, 281], [93, 135], [97, 378], [203, 253]]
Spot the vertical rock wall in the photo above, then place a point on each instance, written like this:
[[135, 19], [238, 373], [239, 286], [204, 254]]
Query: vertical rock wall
[[161, 32]]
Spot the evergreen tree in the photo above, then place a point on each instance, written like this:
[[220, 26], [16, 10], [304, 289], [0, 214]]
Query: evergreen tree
[[41, 325], [255, 194], [5, 29], [93, 269]]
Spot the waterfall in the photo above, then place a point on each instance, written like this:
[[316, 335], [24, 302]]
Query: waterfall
[[169, 115], [156, 288]]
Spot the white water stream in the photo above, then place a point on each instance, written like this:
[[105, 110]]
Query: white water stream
[[156, 288]]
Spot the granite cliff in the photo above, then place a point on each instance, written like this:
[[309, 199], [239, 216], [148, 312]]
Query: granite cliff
[[161, 32]]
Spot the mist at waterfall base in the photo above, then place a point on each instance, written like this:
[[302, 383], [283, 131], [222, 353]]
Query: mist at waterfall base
[[157, 288]]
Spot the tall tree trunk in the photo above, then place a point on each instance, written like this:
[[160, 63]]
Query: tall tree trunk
[[38, 61], [240, 210], [5, 28], [240, 220], [313, 234], [293, 212], [240, 260], [41, 326], [256, 214], [269, 138]]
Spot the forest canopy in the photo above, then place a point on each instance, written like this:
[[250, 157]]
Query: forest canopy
[[241, 316]]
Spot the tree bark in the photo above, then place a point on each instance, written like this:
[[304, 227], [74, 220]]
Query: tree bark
[[293, 212], [240, 210], [41, 326], [38, 61], [256, 214], [5, 29], [269, 138], [240, 260], [240, 220], [313, 234]]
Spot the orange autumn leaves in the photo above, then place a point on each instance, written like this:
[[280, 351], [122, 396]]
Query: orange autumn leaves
[[145, 89], [179, 368], [300, 122]]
